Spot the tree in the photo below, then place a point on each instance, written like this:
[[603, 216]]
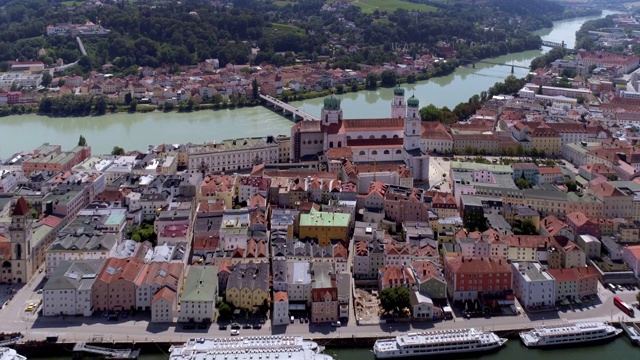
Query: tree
[[82, 141], [128, 98], [430, 113], [388, 78], [528, 227], [133, 106], [388, 299], [144, 232], [522, 183], [395, 298], [117, 150], [372, 80], [46, 79], [225, 311], [571, 185], [254, 89], [638, 296]]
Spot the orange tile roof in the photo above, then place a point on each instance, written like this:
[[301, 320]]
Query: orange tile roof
[[166, 294], [573, 274], [280, 296]]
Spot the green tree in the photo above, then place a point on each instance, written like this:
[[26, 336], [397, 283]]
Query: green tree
[[82, 141], [430, 113], [144, 232], [638, 296], [100, 106], [117, 150], [128, 98], [225, 310], [571, 185], [372, 80], [388, 78], [133, 106], [46, 79], [528, 228], [395, 298], [388, 299], [522, 183]]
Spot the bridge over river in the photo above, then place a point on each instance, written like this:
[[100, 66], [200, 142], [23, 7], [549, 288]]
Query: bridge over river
[[287, 109]]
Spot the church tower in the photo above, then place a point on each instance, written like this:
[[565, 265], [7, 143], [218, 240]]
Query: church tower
[[398, 106], [412, 125], [331, 112], [20, 232]]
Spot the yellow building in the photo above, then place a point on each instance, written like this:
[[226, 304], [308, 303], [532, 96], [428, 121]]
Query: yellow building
[[324, 226], [219, 187], [544, 138], [248, 286]]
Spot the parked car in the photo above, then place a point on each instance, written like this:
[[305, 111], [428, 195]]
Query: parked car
[[620, 288], [203, 325], [222, 327], [336, 324], [235, 332], [257, 326], [235, 326], [246, 326]]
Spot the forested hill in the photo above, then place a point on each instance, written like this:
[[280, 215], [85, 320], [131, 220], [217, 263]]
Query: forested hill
[[152, 33]]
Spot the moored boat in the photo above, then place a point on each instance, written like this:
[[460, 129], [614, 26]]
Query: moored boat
[[434, 343], [568, 333]]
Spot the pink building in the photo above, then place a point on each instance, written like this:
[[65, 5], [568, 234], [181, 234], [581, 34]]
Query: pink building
[[115, 288]]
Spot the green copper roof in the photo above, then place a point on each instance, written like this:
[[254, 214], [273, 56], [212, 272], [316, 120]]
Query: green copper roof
[[331, 103], [398, 91], [413, 102]]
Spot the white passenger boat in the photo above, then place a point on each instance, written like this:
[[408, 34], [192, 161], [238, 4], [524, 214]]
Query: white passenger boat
[[248, 348], [568, 333], [10, 354], [437, 343]]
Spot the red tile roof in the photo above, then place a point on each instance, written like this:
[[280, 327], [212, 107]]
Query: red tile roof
[[21, 208]]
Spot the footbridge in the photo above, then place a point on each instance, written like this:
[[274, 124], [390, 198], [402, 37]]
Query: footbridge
[[82, 347], [474, 62], [287, 109], [548, 43]]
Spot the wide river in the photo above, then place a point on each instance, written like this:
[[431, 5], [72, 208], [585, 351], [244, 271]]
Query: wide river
[[137, 131]]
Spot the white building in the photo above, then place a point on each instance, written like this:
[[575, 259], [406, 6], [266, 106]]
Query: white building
[[590, 245], [68, 290], [199, 294], [532, 285], [163, 306], [299, 281], [280, 314], [79, 247], [232, 155], [421, 306]]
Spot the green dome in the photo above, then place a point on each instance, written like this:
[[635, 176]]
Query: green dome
[[398, 91], [413, 102], [331, 103]]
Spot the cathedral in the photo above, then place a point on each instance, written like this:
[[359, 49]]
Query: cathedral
[[387, 140]]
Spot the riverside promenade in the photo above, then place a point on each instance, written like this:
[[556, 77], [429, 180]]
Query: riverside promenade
[[138, 329]]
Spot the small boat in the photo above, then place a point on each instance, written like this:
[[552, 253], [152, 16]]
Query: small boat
[[633, 332], [10, 354]]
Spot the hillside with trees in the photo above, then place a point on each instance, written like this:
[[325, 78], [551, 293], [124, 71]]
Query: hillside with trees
[[150, 33]]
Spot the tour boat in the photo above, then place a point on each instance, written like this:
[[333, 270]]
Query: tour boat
[[442, 342], [568, 333]]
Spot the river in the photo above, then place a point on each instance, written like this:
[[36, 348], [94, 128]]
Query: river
[[137, 131]]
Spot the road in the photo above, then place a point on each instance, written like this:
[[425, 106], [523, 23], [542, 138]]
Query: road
[[438, 166], [138, 328]]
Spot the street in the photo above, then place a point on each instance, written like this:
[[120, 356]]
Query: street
[[137, 328]]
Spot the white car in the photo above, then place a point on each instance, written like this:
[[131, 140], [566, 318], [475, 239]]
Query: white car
[[235, 332]]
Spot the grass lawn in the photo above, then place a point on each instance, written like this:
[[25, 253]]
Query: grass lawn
[[285, 29], [284, 2], [369, 6]]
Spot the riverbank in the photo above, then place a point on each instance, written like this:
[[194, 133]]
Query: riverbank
[[332, 341]]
